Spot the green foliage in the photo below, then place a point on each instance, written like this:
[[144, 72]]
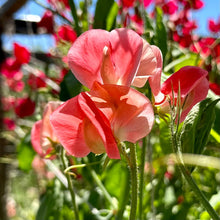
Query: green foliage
[[161, 33], [103, 8], [111, 19], [70, 87], [197, 126], [55, 204], [25, 153]]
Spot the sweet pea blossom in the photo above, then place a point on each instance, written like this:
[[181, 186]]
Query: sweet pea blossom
[[102, 117], [42, 134], [111, 112], [118, 57], [82, 128], [193, 85]]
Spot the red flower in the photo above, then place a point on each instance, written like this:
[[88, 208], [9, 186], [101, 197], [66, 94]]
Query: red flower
[[46, 22], [66, 33], [214, 26], [16, 84], [37, 81], [10, 67], [9, 124], [24, 107], [215, 88], [170, 7], [193, 86], [22, 54], [8, 103]]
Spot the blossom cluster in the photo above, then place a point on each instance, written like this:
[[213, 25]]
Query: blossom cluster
[[110, 65]]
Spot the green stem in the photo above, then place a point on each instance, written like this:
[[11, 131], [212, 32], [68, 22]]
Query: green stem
[[101, 186], [124, 196], [75, 17], [199, 194], [201, 197], [70, 185], [141, 181], [134, 181]]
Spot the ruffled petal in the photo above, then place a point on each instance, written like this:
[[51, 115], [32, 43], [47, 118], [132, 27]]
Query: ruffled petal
[[187, 78], [155, 80], [148, 65], [36, 136], [47, 134], [129, 112], [101, 124], [67, 125]]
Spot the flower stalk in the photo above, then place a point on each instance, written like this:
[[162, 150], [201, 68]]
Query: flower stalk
[[134, 181], [70, 185], [176, 144]]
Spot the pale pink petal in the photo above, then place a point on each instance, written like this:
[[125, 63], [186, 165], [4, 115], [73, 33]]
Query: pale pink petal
[[148, 65], [101, 124], [106, 57], [35, 137], [67, 124], [47, 133], [129, 112], [155, 80]]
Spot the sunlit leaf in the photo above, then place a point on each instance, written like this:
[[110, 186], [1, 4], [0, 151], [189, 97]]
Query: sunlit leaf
[[103, 8], [161, 33], [112, 17]]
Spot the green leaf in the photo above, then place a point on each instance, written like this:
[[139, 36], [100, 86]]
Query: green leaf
[[165, 137], [111, 19], [161, 33], [70, 87], [197, 126], [188, 60], [103, 8], [25, 154]]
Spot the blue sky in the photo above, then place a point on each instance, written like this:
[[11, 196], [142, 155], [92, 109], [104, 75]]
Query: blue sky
[[44, 43]]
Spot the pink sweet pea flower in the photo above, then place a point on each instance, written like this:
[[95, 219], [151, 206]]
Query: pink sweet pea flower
[[42, 134], [106, 57], [102, 117], [82, 128], [22, 54], [193, 86], [111, 58]]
